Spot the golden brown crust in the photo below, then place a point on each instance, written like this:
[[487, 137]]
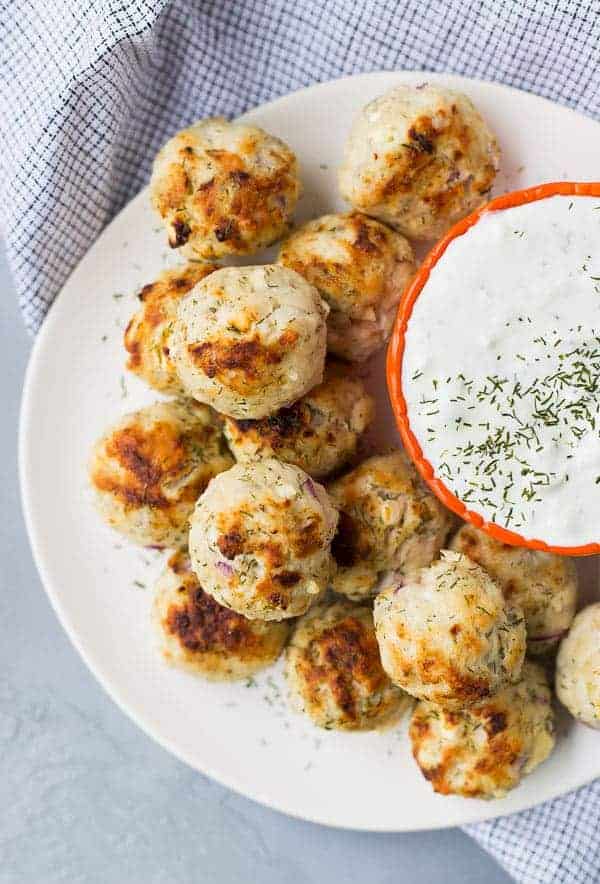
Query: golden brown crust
[[419, 160], [319, 433], [483, 751], [250, 339], [447, 634], [276, 430], [308, 540], [424, 158], [260, 538], [239, 538], [151, 467], [236, 200], [431, 669], [388, 521], [148, 459], [201, 624], [151, 458], [241, 365], [503, 752], [343, 654], [147, 335], [202, 636], [333, 666], [360, 267], [224, 200], [367, 239], [354, 276]]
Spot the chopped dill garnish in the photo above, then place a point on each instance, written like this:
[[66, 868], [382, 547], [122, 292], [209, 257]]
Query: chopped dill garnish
[[503, 468]]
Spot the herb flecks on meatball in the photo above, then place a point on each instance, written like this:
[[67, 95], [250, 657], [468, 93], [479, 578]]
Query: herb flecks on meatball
[[334, 671], [389, 520], [542, 584], [260, 540], [486, 750], [203, 637], [224, 188], [419, 158], [148, 334], [448, 635], [250, 340], [360, 267], [319, 433], [149, 469]]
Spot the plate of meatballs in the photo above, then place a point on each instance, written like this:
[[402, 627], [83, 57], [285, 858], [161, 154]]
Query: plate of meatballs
[[216, 492]]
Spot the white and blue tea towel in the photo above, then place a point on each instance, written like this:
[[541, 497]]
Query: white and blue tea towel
[[90, 89]]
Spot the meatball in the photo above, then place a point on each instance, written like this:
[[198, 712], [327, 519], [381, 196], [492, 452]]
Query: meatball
[[485, 750], [447, 634], [360, 267], [200, 635], [542, 584], [388, 520], [149, 469], [148, 335], [334, 671], [319, 433], [224, 188], [419, 158], [578, 667], [250, 340], [260, 539]]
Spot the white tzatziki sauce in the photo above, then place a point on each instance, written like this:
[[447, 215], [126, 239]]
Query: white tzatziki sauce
[[501, 369]]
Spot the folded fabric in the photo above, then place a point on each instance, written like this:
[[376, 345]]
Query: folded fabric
[[91, 89], [554, 843]]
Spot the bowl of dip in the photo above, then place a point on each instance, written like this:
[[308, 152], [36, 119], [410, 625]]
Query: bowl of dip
[[493, 368]]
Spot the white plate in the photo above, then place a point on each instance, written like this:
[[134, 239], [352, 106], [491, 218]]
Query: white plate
[[244, 736]]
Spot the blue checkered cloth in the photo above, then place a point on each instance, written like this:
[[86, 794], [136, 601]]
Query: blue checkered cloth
[[90, 90]]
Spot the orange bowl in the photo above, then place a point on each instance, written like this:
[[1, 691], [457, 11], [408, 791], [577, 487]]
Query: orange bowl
[[396, 352]]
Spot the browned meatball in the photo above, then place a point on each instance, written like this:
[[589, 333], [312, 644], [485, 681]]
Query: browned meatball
[[447, 634], [260, 539], [389, 520], [360, 267], [250, 340], [542, 584], [334, 671], [149, 469], [485, 750], [148, 335], [319, 433], [200, 635], [419, 158], [224, 188]]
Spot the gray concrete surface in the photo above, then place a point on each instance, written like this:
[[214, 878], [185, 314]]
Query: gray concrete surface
[[87, 797]]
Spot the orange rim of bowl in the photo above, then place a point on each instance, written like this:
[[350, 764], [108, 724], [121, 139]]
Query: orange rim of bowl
[[395, 356]]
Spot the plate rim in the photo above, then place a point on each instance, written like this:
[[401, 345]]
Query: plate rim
[[34, 531]]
